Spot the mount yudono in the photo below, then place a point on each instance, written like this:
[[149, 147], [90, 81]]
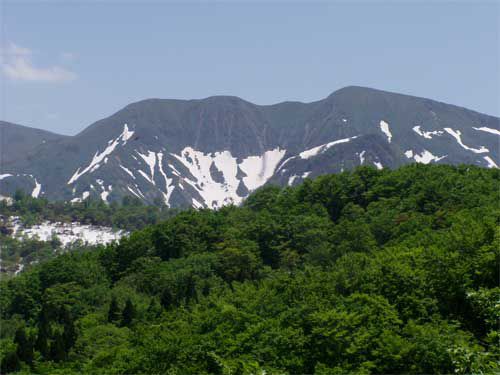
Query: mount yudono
[[215, 151]]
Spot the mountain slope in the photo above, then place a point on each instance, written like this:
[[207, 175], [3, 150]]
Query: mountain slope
[[21, 143], [214, 151], [18, 140]]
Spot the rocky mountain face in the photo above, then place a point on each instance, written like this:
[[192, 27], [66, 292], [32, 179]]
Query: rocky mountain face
[[214, 151]]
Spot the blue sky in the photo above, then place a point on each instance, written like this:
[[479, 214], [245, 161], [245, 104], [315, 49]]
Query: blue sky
[[68, 64]]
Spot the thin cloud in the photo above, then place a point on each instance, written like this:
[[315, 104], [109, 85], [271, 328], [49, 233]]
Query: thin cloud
[[17, 64]]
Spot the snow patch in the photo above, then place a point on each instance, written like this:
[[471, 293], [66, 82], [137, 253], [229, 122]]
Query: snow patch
[[174, 170], [21, 265], [378, 164], [36, 191], [409, 154], [214, 194], [362, 157], [85, 195], [99, 157], [196, 204], [384, 126], [95, 167], [67, 233], [488, 130], [320, 149], [169, 187], [104, 196], [425, 134], [491, 163], [458, 136], [133, 192], [286, 161], [258, 170], [126, 134], [128, 171], [143, 174], [292, 179], [150, 160], [426, 157], [7, 200], [2, 176]]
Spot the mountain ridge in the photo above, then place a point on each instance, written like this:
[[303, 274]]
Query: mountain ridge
[[214, 151]]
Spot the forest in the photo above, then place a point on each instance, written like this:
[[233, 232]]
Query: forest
[[129, 214], [362, 272]]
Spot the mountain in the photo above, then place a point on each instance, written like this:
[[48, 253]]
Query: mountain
[[214, 151], [19, 141]]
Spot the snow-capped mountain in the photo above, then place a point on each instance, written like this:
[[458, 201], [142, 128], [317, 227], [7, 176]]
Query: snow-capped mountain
[[214, 151]]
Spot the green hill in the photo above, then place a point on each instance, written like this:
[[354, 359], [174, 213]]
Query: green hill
[[391, 271]]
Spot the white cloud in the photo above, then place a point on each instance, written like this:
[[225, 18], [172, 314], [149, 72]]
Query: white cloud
[[17, 64], [23, 70]]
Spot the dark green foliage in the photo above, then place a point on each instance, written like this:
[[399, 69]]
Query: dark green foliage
[[128, 314], [24, 346], [41, 343], [114, 311], [130, 215], [363, 272], [154, 309], [10, 363], [57, 349], [69, 330], [188, 233], [167, 299]]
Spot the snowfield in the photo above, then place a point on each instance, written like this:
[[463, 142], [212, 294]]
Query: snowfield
[[220, 178], [67, 233]]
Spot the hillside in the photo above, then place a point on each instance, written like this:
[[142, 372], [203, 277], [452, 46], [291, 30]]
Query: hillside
[[369, 271], [33, 230], [18, 142], [215, 151]]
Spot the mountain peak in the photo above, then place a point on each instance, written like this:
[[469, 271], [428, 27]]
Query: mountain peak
[[214, 151], [361, 90]]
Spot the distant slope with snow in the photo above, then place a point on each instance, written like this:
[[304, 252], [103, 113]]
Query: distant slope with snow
[[66, 233], [215, 151]]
